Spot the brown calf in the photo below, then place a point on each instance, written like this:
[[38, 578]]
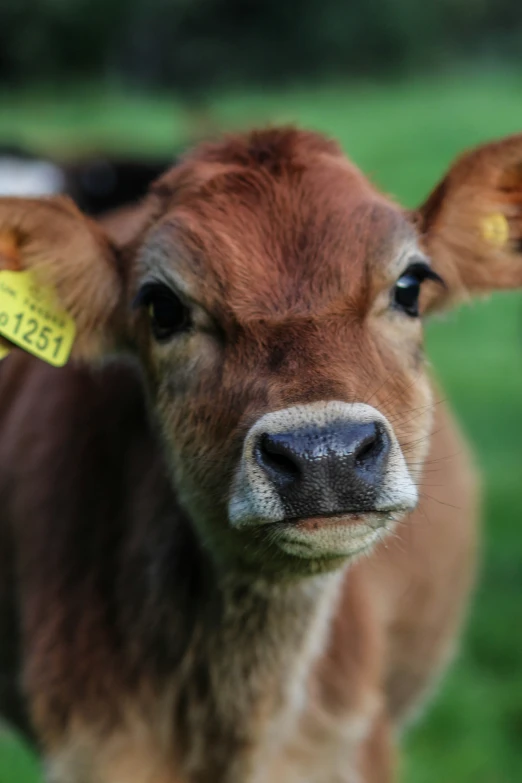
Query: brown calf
[[187, 575]]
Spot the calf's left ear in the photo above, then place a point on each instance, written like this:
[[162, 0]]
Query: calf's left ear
[[68, 251], [471, 224]]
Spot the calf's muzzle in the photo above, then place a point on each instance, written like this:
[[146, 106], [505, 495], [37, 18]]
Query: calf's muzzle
[[320, 460], [321, 471]]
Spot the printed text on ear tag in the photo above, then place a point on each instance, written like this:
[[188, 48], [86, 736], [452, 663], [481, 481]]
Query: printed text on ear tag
[[495, 229], [30, 318]]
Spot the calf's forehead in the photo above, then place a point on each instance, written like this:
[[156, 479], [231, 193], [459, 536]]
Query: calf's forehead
[[259, 244]]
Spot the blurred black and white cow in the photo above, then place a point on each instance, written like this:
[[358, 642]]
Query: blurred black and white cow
[[98, 184]]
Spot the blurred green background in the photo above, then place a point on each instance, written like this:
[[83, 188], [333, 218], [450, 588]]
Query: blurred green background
[[405, 87]]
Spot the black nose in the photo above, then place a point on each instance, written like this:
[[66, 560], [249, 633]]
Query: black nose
[[324, 471]]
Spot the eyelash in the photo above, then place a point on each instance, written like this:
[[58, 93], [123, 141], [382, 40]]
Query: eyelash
[[407, 289], [168, 314]]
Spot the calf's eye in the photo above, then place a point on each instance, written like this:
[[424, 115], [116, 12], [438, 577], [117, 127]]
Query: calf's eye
[[168, 314], [407, 289]]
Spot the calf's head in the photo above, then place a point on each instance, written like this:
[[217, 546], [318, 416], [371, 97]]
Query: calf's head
[[274, 300]]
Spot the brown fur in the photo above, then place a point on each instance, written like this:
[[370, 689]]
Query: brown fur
[[160, 645]]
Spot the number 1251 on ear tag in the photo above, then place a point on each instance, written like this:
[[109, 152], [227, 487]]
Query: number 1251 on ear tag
[[30, 318]]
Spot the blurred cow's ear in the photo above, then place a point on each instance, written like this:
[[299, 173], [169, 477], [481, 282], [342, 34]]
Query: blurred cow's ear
[[471, 225], [71, 253]]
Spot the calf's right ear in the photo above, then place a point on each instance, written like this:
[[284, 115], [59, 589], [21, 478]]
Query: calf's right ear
[[68, 251]]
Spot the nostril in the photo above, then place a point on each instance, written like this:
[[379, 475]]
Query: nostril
[[274, 455], [371, 447]]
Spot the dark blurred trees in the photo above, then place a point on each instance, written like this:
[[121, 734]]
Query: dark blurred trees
[[192, 46]]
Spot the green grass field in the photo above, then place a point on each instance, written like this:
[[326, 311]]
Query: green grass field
[[404, 136]]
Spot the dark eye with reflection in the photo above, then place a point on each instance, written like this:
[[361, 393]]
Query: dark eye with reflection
[[408, 287], [168, 314]]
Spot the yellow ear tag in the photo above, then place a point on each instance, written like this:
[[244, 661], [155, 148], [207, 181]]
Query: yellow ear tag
[[31, 318], [495, 229], [4, 351]]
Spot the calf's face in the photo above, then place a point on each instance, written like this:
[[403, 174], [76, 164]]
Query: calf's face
[[277, 318], [274, 299]]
